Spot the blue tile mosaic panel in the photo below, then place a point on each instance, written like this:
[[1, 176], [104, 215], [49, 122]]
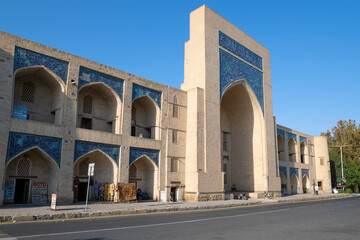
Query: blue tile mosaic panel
[[303, 139], [291, 135], [135, 153], [305, 172], [239, 50], [139, 91], [281, 133], [26, 58], [82, 148], [90, 76], [294, 171], [232, 69], [283, 171], [19, 142]]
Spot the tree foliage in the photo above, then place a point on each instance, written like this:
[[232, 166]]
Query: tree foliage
[[346, 132]]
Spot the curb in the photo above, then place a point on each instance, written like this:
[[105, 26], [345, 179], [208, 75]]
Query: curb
[[76, 215]]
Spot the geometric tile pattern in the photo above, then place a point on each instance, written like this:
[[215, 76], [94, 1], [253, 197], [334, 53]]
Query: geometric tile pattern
[[291, 135], [283, 171], [135, 153], [26, 58], [90, 76], [19, 142], [303, 139], [305, 172], [294, 171], [281, 133], [82, 148], [139, 91], [239, 50], [232, 69]]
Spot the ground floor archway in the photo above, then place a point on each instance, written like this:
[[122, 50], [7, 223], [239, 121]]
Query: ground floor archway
[[284, 189], [143, 172], [294, 184], [31, 177], [102, 184], [306, 184]]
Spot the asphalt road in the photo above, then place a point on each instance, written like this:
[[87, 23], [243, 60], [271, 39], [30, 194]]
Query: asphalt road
[[331, 219]]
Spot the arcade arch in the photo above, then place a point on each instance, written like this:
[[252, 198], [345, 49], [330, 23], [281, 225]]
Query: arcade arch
[[98, 108], [42, 92], [145, 118], [105, 172], [29, 168], [306, 184], [144, 172], [302, 152], [292, 150], [281, 148], [294, 182]]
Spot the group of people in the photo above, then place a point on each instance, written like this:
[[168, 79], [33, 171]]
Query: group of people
[[315, 189]]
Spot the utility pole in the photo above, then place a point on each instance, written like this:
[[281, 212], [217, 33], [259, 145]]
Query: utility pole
[[342, 164]]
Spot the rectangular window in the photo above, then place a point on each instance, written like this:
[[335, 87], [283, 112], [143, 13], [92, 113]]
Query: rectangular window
[[321, 161], [174, 165], [320, 185], [225, 173], [175, 111], [174, 136], [225, 142]]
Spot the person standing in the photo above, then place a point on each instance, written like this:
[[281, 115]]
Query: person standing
[[317, 189], [312, 189]]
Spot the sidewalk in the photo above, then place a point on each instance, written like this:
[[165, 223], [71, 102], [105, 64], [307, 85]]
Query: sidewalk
[[21, 213]]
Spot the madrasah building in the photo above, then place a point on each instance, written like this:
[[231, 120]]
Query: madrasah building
[[60, 112]]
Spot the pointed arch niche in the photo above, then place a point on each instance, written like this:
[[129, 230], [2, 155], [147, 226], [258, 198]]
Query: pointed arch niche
[[41, 91], [242, 122]]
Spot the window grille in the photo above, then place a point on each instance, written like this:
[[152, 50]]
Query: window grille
[[88, 105], [28, 92], [23, 168]]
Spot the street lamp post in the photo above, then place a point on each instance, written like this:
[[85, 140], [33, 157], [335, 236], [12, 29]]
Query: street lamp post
[[341, 157]]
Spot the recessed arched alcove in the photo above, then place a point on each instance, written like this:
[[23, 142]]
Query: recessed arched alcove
[[42, 92], [242, 124]]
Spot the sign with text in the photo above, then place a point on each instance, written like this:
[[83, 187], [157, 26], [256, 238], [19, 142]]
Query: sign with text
[[91, 169], [53, 201], [9, 191], [19, 111], [39, 192]]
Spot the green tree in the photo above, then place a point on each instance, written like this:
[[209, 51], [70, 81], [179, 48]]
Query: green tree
[[346, 132]]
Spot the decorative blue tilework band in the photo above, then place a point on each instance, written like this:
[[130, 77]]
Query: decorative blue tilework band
[[232, 69], [281, 133], [26, 58], [82, 148], [294, 171], [139, 91], [291, 135], [19, 142], [226, 158], [136, 153], [89, 76], [283, 171], [305, 172], [303, 139], [239, 50]]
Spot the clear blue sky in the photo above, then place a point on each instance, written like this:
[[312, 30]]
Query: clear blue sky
[[314, 45]]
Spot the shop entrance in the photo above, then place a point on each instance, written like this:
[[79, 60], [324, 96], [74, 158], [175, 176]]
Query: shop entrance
[[82, 191], [21, 191]]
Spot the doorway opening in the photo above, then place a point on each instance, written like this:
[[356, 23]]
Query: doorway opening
[[22, 191]]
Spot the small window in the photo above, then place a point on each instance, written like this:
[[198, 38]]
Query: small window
[[86, 123], [225, 141], [88, 105], [174, 165], [320, 185], [28, 92], [174, 136], [321, 161], [175, 108], [302, 158]]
